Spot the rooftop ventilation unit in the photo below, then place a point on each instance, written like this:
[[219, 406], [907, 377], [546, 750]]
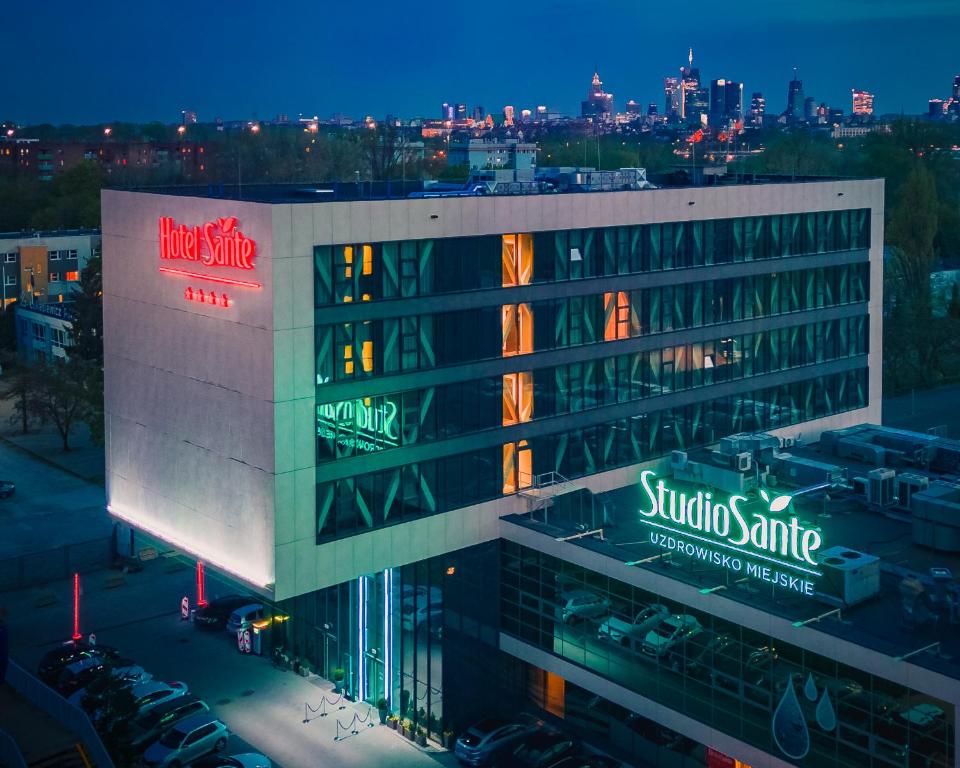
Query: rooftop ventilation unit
[[849, 575], [905, 485], [744, 461], [859, 450], [880, 487]]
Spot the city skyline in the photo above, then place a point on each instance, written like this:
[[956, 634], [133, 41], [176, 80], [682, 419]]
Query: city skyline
[[320, 66]]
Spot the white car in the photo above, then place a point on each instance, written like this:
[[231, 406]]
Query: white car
[[149, 695], [243, 617], [623, 632], [186, 741], [672, 630], [581, 604]]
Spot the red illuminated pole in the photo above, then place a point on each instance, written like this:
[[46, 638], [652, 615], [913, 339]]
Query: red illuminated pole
[[201, 600], [76, 607]]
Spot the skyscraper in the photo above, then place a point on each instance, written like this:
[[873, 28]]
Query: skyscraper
[[689, 83], [671, 96], [726, 101], [598, 104], [956, 87], [508, 115], [794, 109], [758, 107], [461, 112], [863, 102], [478, 113], [810, 109]]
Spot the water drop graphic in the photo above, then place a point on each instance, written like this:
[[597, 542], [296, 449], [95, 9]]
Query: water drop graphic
[[810, 688], [789, 726], [826, 716]]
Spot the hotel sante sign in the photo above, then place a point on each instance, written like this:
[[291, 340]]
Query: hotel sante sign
[[217, 243], [772, 544]]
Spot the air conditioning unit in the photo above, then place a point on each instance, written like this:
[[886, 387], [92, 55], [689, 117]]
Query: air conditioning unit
[[905, 485], [744, 461], [849, 575], [880, 487], [678, 460], [788, 442]]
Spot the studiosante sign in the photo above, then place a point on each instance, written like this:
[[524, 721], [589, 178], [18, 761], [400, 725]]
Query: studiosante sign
[[721, 531]]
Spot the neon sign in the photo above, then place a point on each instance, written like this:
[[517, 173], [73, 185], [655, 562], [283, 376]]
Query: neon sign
[[359, 424], [726, 534], [214, 244]]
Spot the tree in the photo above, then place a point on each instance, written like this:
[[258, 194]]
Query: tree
[[382, 151], [109, 702], [21, 389], [64, 393], [953, 306], [88, 312], [912, 232]]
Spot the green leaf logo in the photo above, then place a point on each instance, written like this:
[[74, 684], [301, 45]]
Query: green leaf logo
[[779, 503]]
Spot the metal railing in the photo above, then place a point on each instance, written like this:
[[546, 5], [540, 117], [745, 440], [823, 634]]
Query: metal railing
[[61, 710], [38, 568]]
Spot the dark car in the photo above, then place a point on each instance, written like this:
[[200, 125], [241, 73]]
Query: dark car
[[7, 489], [482, 742], [151, 725], [53, 662], [541, 749], [214, 614]]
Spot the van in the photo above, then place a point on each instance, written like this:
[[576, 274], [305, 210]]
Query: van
[[244, 616]]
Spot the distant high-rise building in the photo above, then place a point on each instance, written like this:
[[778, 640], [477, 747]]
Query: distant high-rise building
[[794, 109], [508, 115], [834, 115], [671, 96], [758, 108], [810, 109], [461, 112], [599, 103], [689, 84], [936, 108], [652, 110], [446, 111], [634, 108], [956, 88], [188, 117], [478, 113], [541, 112], [726, 101], [862, 102], [525, 115]]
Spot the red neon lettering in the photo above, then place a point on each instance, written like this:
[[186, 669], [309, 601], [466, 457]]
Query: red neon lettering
[[202, 297], [214, 244]]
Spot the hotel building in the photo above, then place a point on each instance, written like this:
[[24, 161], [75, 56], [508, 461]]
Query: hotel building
[[367, 410]]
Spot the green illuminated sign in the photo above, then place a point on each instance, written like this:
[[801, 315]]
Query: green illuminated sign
[[360, 423], [724, 529]]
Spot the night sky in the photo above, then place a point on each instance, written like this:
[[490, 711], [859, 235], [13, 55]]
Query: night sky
[[102, 61]]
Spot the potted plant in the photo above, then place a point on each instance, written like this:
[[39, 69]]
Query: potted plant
[[449, 739], [393, 721], [382, 709], [338, 676], [421, 736], [407, 729]]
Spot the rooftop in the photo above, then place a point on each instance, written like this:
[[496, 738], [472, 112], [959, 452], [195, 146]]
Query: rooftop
[[46, 234], [847, 521], [340, 191]]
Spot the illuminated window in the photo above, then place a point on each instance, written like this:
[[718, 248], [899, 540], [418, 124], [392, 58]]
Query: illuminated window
[[616, 316], [517, 397], [367, 267], [517, 257], [517, 466], [517, 326], [366, 356], [73, 276], [348, 359], [54, 277]]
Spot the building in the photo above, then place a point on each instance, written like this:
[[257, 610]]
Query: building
[[44, 331], [599, 104], [39, 267], [810, 109], [366, 411], [794, 109], [758, 108], [508, 115], [726, 102], [862, 102], [671, 97], [478, 114], [936, 108]]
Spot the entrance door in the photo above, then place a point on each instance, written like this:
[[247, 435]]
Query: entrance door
[[373, 672]]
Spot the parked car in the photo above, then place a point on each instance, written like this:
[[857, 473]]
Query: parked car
[[151, 725], [915, 730], [621, 631], [132, 675], [483, 741], [214, 615], [582, 604], [669, 632], [246, 760], [244, 616], [541, 749], [186, 741], [7, 489], [78, 675], [56, 660], [152, 694]]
